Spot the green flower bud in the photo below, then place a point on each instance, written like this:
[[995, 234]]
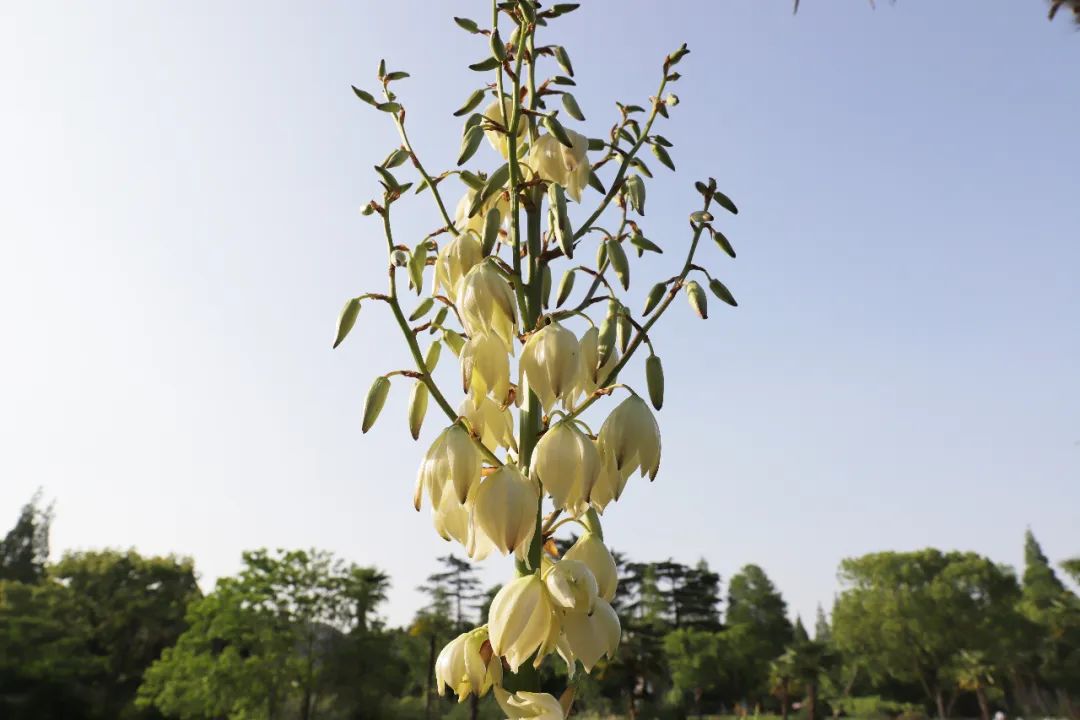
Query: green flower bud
[[624, 330], [347, 319], [725, 202], [719, 290], [418, 402], [619, 262], [545, 285], [432, 357], [492, 222], [417, 263], [559, 220], [498, 47], [723, 243], [454, 340], [376, 398], [607, 333], [654, 376], [697, 299], [635, 190], [654, 297], [566, 286], [422, 309]]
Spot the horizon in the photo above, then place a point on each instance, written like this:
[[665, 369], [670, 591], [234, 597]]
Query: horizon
[[184, 189]]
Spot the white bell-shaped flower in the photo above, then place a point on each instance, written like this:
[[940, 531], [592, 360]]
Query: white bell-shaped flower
[[522, 621], [593, 635], [593, 553], [455, 258], [492, 422], [567, 464], [571, 585], [453, 521], [468, 665], [485, 366], [487, 304], [504, 509], [554, 162], [452, 464], [524, 705], [501, 140], [631, 438], [551, 363], [609, 483]]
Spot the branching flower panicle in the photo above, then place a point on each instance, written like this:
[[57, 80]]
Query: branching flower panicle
[[523, 211]]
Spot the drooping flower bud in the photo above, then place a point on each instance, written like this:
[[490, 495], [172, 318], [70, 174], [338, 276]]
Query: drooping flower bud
[[591, 551], [551, 363], [498, 139], [654, 376], [487, 303], [632, 438], [567, 463], [468, 665], [522, 621], [572, 586], [418, 402], [554, 162], [504, 509], [376, 398], [456, 258], [452, 464], [493, 423], [593, 635], [531, 705], [698, 301], [485, 366], [608, 332]]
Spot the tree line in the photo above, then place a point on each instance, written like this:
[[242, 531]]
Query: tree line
[[298, 634]]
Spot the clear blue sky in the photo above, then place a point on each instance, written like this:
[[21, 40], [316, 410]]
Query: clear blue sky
[[179, 226]]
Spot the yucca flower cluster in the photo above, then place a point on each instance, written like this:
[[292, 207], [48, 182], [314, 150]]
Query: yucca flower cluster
[[519, 461]]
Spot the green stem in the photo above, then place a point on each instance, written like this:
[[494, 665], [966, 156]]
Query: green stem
[[591, 521], [614, 189], [643, 331], [423, 173], [414, 347], [531, 415]]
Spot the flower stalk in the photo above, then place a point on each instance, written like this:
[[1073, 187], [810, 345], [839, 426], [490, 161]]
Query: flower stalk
[[489, 303]]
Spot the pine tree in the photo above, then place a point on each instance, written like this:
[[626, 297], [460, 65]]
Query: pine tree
[[758, 626], [455, 592], [1042, 587], [25, 549], [822, 631]]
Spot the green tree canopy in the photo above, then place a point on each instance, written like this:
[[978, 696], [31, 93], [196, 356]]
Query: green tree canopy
[[697, 659], [758, 629], [264, 643], [909, 615]]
